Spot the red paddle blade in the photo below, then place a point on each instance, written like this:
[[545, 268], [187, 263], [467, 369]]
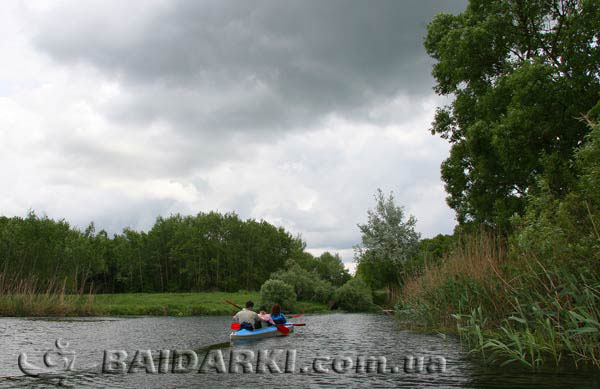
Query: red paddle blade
[[236, 326], [283, 329], [297, 316], [299, 325]]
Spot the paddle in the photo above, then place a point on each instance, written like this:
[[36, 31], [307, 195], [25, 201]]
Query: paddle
[[283, 329], [297, 316], [232, 303]]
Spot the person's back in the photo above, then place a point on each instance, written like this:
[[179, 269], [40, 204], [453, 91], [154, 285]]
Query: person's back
[[246, 317], [265, 318], [276, 315]]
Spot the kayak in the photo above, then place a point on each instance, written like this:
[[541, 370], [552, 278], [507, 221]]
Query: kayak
[[266, 332]]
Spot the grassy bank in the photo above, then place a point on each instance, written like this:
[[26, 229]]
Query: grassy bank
[[183, 304], [132, 304], [508, 307]]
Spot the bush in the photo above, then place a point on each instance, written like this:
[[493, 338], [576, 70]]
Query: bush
[[324, 291], [308, 286], [563, 231], [354, 296], [380, 297], [277, 292]]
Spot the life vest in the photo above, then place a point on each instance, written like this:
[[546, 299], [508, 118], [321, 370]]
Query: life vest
[[279, 319]]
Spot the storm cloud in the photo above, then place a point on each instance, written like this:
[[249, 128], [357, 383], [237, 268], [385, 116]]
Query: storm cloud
[[264, 66], [292, 111]]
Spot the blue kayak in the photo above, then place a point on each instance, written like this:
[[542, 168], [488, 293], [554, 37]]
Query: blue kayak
[[266, 332]]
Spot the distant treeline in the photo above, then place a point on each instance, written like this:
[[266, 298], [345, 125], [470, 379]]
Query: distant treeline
[[209, 251]]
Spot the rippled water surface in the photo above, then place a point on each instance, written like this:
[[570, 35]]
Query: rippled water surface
[[335, 336]]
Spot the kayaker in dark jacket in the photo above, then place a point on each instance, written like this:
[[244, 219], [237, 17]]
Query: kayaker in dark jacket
[[276, 315]]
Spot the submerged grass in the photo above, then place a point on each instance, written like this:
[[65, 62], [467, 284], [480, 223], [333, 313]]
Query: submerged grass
[[508, 309]]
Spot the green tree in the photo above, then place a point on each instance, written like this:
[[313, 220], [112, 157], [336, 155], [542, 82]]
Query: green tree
[[208, 251], [330, 268], [277, 292], [354, 296], [521, 73], [565, 232], [307, 285], [431, 252], [388, 242]]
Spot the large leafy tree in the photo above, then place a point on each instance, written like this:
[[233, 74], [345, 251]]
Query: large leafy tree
[[388, 242], [522, 74], [331, 268]]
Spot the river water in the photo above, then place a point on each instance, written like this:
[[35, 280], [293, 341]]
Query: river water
[[342, 342]]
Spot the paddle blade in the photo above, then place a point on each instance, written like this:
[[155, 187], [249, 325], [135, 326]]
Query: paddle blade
[[299, 325], [283, 329], [236, 326], [297, 316]]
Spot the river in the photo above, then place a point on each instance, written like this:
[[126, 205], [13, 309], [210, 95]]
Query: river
[[342, 343]]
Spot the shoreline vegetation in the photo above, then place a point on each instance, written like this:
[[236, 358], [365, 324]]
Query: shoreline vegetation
[[519, 279], [59, 304], [184, 265], [507, 307]]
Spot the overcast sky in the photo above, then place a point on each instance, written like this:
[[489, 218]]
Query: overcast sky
[[290, 111]]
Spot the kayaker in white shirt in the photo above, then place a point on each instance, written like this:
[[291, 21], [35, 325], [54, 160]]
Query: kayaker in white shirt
[[246, 317]]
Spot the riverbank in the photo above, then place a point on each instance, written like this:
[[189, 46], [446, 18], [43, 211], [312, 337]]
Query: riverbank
[[507, 308], [134, 304]]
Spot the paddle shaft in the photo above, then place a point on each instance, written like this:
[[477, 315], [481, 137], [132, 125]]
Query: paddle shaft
[[232, 303]]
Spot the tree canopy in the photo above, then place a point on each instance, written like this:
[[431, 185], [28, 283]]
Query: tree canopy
[[388, 242], [208, 251], [522, 74]]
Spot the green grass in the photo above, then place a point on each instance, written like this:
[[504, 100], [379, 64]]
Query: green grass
[[136, 304], [171, 304]]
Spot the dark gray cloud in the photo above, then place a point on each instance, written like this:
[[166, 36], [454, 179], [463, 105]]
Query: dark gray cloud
[[290, 111], [254, 68]]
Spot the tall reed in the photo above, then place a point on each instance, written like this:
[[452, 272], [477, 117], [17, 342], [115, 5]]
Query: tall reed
[[30, 297], [509, 308]]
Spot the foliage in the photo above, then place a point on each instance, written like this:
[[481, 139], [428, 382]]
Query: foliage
[[541, 302], [521, 74], [565, 231], [327, 266], [380, 297], [388, 242], [209, 251], [308, 286], [27, 299], [509, 308], [431, 252], [354, 296], [522, 166], [277, 291], [330, 268]]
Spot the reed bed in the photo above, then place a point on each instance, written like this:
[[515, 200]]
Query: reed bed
[[508, 308], [30, 297]]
